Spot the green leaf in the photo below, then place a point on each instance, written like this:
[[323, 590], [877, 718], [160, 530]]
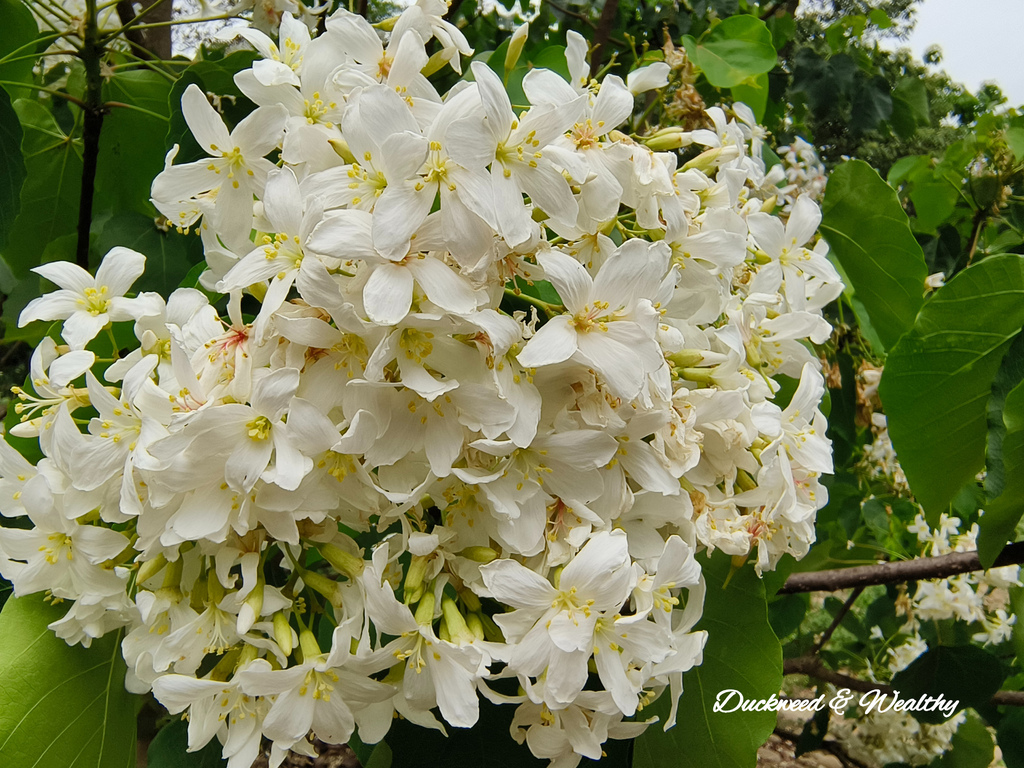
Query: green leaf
[[1004, 460], [742, 653], [168, 750], [971, 746], [132, 142], [20, 29], [62, 706], [1015, 141], [868, 232], [213, 76], [754, 94], [12, 170], [169, 255], [821, 81], [938, 379], [913, 93], [381, 757], [738, 48], [871, 104], [964, 673], [50, 194], [879, 18], [1010, 737]]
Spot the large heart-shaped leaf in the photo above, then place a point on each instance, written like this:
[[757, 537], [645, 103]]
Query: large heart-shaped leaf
[[1004, 456], [869, 233], [12, 170], [742, 653], [733, 51], [60, 705], [938, 378]]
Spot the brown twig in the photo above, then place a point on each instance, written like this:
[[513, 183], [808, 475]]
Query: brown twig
[[892, 573], [837, 620], [602, 33], [574, 14], [812, 666], [92, 124], [830, 746]]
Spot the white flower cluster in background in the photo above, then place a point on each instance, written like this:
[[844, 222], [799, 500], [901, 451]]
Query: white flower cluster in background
[[805, 174], [979, 598], [526, 360], [881, 738]]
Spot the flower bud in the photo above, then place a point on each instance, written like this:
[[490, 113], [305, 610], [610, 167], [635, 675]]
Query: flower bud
[[308, 645], [515, 47], [457, 628], [470, 600], [476, 625], [479, 554], [435, 62], [341, 149], [283, 633], [249, 653], [214, 589], [343, 562], [413, 588], [329, 588], [710, 158], [425, 610], [668, 141], [150, 568], [687, 358]]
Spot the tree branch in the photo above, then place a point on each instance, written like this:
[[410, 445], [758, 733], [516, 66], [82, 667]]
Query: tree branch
[[829, 746], [92, 124], [892, 573], [813, 667], [837, 620], [602, 33]]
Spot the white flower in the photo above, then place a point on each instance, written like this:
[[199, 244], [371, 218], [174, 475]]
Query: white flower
[[86, 303]]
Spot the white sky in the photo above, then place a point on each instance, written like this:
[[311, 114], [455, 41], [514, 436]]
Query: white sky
[[980, 41]]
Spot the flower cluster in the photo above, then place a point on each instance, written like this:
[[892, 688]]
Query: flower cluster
[[978, 598], [884, 738], [480, 381]]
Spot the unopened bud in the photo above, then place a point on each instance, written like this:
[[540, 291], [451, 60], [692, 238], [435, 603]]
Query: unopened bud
[[769, 205], [226, 665], [470, 600], [150, 568], [669, 141], [214, 589], [249, 653], [456, 622], [413, 589], [687, 358], [709, 158], [745, 481], [308, 645], [329, 588], [343, 562], [283, 633], [435, 62], [698, 375], [425, 610], [341, 149], [479, 554], [515, 47], [476, 626], [492, 631]]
